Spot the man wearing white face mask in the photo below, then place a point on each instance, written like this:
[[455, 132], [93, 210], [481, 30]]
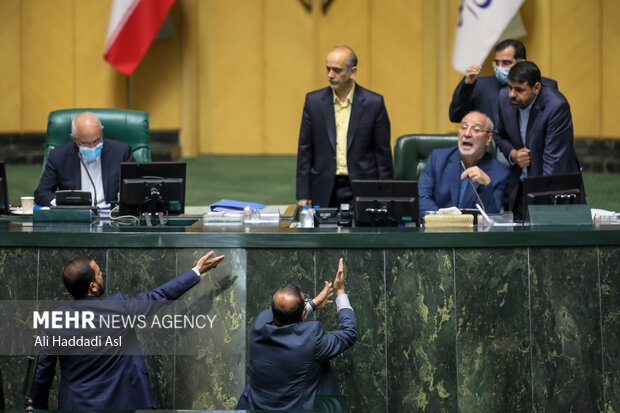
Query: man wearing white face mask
[[480, 93], [69, 166]]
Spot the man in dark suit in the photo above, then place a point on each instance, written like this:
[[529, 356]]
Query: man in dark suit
[[534, 131], [481, 93], [445, 181], [344, 135], [289, 357], [69, 165], [99, 378]]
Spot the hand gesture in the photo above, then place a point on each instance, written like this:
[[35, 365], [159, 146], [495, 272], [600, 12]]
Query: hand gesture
[[472, 73], [206, 263], [521, 157], [476, 175], [339, 281], [322, 299]]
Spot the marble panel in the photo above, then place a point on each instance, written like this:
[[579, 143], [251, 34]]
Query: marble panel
[[566, 330], [609, 268], [493, 338], [18, 278], [210, 362], [421, 331], [361, 370]]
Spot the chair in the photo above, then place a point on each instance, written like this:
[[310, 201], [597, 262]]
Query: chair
[[411, 153], [129, 126]]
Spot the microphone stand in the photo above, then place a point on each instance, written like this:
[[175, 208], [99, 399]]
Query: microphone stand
[[474, 189], [94, 208]]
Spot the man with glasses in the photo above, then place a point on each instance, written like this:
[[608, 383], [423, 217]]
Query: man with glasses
[[289, 357], [481, 93], [88, 158], [452, 174]]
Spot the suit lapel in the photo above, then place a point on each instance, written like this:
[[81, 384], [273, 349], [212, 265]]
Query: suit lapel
[[535, 112], [357, 109], [454, 176], [105, 166], [76, 168], [330, 117]]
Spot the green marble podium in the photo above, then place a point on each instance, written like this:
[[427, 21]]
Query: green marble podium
[[504, 320]]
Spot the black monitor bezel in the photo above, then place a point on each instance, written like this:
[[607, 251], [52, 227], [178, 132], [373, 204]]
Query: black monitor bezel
[[167, 173], [382, 193], [536, 188]]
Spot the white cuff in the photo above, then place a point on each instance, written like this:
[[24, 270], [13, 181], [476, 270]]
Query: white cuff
[[342, 301], [197, 272]]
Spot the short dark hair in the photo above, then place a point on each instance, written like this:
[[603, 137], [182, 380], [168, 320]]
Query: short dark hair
[[519, 48], [78, 275], [525, 71], [291, 315]]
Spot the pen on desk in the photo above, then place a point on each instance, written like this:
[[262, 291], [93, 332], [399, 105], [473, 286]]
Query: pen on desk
[[474, 189]]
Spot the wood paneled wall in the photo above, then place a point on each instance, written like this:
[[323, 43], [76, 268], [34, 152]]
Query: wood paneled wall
[[233, 77]]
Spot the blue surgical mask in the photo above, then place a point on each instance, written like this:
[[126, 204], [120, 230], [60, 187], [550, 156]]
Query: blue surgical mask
[[501, 73], [92, 153]]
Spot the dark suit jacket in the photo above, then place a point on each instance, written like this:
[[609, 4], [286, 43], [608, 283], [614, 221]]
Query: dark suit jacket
[[289, 365], [369, 155], [109, 381], [440, 183], [549, 137], [62, 170], [482, 96]]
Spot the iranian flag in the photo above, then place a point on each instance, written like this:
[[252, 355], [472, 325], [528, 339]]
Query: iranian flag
[[133, 26]]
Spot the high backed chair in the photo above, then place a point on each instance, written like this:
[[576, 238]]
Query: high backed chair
[[129, 126], [411, 153]]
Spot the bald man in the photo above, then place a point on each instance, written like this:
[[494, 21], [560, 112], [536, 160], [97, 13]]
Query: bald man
[[344, 135], [289, 357], [68, 166]]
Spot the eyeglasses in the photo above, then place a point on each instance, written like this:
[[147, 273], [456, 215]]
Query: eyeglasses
[[475, 129]]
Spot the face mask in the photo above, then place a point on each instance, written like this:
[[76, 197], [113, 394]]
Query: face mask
[[91, 153], [501, 73]]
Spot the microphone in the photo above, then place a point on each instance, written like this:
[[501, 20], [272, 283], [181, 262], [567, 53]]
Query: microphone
[[474, 189], [95, 208]]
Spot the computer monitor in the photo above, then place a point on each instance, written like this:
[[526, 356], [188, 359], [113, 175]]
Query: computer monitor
[[386, 203], [152, 187], [553, 190], [4, 191]]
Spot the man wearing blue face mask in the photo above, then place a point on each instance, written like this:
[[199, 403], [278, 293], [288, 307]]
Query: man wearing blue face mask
[[69, 166], [480, 93]]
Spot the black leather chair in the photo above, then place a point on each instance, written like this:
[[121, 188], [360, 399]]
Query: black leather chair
[[411, 153], [129, 126]]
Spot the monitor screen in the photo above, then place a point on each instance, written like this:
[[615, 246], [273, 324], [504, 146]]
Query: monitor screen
[[386, 203], [552, 190], [152, 187], [4, 191]]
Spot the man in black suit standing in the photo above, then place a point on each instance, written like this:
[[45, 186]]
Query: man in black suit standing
[[344, 135], [68, 166]]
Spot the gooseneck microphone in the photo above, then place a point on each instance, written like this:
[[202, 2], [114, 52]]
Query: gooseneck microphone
[[474, 188], [95, 207]]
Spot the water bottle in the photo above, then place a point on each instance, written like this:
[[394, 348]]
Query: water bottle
[[305, 217]]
